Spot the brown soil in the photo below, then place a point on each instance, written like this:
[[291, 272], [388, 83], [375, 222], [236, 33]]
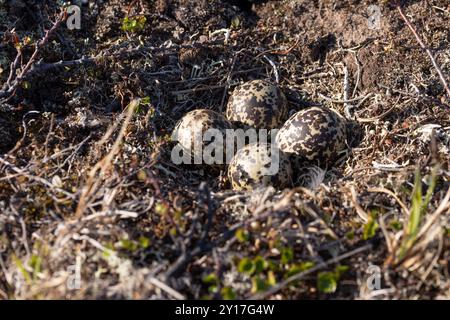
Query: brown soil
[[143, 213]]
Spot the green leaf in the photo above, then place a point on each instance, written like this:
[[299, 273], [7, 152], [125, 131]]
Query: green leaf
[[212, 289], [260, 264], [128, 245], [228, 293], [417, 211], [35, 263], [396, 225], [287, 254], [26, 85], [271, 279], [109, 249], [210, 278], [242, 235], [145, 100], [259, 284], [415, 215], [273, 266], [340, 270], [430, 190], [370, 228], [326, 282], [350, 235], [134, 24], [246, 266], [22, 269], [144, 242]]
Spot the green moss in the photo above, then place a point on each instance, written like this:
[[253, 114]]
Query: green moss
[[134, 24]]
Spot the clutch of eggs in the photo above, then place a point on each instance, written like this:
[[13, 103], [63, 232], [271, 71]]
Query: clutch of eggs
[[316, 133]]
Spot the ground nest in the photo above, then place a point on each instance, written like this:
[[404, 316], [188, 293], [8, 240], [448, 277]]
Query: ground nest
[[91, 205]]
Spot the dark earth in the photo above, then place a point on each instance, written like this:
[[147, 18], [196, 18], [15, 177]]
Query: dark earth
[[88, 185]]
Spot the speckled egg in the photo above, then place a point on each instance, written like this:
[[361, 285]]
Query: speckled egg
[[259, 104], [314, 133], [257, 165], [190, 131]]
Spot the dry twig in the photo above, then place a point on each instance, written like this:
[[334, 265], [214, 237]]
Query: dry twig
[[427, 50], [103, 165], [12, 84]]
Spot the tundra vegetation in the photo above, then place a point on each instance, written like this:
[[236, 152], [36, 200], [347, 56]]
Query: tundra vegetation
[[91, 205]]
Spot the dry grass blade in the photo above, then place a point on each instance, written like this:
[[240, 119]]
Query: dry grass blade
[[389, 192], [427, 50], [359, 210], [158, 283], [89, 186], [98, 171], [21, 172]]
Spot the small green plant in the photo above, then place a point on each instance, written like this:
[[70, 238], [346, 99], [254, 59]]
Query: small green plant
[[212, 281], [350, 235], [35, 264], [371, 227], [246, 266], [228, 293], [144, 104], [26, 85], [255, 266], [261, 272], [134, 24], [109, 250], [327, 281], [242, 235], [129, 245], [419, 204], [144, 242], [132, 245], [210, 278], [22, 269], [145, 101], [260, 264], [287, 254], [396, 225], [259, 284]]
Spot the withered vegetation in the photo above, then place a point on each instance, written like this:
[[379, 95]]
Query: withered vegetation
[[87, 186]]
